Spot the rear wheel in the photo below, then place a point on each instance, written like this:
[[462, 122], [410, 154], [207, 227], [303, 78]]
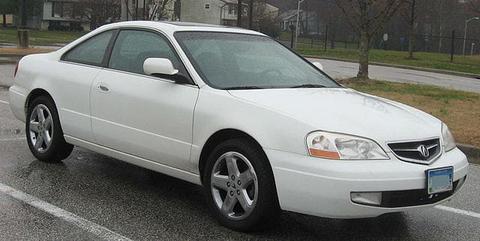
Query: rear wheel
[[240, 186], [44, 133]]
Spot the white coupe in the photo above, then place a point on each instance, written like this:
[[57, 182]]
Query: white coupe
[[261, 128]]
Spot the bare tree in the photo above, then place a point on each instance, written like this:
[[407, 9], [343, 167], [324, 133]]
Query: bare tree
[[474, 6], [100, 12], [367, 18], [410, 14], [160, 9]]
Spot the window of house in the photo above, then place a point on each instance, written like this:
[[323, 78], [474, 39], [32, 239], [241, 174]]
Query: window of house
[[232, 9], [63, 9], [133, 47], [207, 6], [92, 51], [57, 9], [67, 11]]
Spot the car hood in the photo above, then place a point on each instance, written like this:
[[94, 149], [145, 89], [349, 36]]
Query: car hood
[[347, 111]]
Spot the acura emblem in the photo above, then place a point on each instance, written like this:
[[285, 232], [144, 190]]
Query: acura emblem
[[423, 150]]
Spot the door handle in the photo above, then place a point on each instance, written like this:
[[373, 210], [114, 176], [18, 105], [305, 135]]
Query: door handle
[[103, 88]]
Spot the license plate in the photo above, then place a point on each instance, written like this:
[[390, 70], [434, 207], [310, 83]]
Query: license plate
[[439, 180]]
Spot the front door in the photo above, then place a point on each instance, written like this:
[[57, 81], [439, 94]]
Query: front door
[[142, 115]]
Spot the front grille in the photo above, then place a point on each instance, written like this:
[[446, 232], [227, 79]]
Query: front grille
[[417, 151]]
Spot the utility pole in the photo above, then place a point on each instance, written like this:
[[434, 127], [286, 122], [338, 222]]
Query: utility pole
[[239, 13], [297, 28], [465, 33]]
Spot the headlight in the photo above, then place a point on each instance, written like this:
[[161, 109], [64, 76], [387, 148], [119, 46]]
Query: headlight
[[343, 147], [448, 140]]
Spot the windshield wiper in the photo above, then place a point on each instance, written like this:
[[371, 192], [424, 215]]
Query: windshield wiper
[[309, 86], [244, 88]]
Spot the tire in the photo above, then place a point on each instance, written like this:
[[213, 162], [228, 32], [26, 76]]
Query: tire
[[253, 204], [39, 132]]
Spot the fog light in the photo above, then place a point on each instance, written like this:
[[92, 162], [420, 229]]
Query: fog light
[[368, 198]]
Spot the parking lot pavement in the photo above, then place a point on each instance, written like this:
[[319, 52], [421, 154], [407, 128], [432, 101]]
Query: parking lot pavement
[[139, 204], [6, 75]]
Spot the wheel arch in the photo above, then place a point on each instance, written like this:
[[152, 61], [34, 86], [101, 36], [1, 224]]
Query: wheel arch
[[221, 136], [34, 94]]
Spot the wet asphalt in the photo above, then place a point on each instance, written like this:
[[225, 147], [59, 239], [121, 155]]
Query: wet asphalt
[[144, 205]]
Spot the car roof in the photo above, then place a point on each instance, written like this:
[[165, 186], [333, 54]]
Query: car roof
[[172, 27]]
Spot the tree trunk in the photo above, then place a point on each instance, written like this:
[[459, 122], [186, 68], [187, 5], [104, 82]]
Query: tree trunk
[[411, 43], [363, 55], [250, 15], [239, 13], [411, 37], [4, 20], [22, 39]]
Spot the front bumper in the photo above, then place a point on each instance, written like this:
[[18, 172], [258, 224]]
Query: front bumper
[[323, 187]]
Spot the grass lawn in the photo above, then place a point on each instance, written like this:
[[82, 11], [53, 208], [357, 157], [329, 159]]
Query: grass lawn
[[38, 37], [467, 64], [459, 110]]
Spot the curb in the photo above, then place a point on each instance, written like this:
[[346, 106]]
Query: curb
[[438, 71], [472, 152], [10, 58]]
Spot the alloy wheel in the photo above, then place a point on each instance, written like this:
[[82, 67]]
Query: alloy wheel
[[234, 185], [41, 128]]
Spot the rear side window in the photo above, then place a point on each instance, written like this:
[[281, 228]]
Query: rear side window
[[91, 51], [133, 47]]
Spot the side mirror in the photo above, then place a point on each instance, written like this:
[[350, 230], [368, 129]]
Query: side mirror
[[163, 68], [159, 66], [318, 65]]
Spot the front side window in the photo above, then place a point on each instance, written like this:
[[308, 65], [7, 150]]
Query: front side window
[[133, 47], [91, 51], [241, 61]]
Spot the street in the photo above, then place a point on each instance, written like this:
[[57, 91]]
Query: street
[[341, 70], [91, 196]]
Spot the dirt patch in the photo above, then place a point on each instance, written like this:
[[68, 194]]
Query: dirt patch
[[21, 52]]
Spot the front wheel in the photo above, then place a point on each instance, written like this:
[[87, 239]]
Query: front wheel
[[240, 186], [44, 133]]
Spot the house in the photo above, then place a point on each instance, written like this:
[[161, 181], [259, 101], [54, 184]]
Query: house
[[309, 21], [63, 15], [219, 12], [149, 10], [84, 15], [6, 19]]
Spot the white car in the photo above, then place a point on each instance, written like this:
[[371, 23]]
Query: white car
[[258, 126]]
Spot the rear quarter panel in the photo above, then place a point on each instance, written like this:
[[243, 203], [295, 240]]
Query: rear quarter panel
[[67, 83]]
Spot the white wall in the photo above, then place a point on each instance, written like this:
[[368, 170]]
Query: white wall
[[195, 11]]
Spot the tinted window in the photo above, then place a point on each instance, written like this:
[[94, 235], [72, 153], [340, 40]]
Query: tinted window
[[92, 51], [133, 47]]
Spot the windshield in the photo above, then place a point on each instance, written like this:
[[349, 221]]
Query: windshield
[[241, 61]]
